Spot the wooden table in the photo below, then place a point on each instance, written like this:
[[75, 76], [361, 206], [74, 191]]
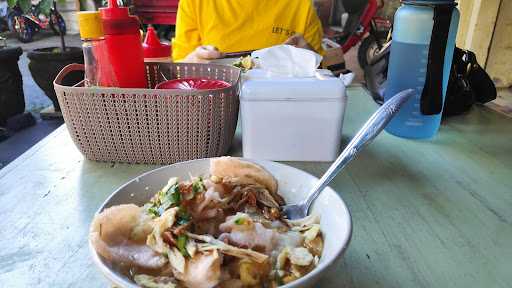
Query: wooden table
[[426, 213]]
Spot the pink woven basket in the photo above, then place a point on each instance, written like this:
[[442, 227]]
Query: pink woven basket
[[152, 126]]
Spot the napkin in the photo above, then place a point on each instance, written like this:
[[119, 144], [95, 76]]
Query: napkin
[[287, 60]]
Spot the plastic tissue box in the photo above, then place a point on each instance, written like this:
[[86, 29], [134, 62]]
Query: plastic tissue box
[[290, 118]]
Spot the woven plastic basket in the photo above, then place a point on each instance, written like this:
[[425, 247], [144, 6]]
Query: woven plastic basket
[[152, 125]]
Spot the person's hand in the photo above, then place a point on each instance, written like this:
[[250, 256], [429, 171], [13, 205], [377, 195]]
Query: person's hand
[[298, 41], [203, 54]]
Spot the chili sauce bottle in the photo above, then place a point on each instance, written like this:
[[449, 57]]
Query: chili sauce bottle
[[123, 46]]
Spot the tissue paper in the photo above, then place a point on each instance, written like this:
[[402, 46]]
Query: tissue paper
[[287, 60]]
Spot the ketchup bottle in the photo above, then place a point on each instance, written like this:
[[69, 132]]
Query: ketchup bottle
[[124, 48]]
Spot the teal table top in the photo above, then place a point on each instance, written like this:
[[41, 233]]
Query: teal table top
[[434, 213]]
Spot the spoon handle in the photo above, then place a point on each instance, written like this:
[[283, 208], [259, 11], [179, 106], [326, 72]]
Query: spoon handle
[[366, 134]]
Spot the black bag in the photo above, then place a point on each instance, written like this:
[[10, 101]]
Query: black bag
[[12, 101], [468, 84]]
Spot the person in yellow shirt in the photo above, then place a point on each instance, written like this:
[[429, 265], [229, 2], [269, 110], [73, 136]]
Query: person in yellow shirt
[[205, 29]]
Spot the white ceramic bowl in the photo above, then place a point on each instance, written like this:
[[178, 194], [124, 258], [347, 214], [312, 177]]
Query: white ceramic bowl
[[294, 184]]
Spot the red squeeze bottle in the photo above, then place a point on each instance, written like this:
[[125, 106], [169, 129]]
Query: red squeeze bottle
[[124, 48], [154, 50]]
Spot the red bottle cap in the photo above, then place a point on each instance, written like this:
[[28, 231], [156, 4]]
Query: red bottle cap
[[153, 48], [117, 20]]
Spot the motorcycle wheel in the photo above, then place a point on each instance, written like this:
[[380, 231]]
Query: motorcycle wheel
[[24, 31], [57, 23], [367, 50]]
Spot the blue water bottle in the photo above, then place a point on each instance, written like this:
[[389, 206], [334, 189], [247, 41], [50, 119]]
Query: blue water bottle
[[421, 57]]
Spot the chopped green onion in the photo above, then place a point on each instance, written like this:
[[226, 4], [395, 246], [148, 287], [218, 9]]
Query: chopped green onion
[[181, 243], [183, 216], [166, 198], [176, 196], [171, 199], [240, 221], [198, 185], [153, 211]]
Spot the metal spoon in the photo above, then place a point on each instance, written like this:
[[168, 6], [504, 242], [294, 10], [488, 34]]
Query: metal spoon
[[370, 130]]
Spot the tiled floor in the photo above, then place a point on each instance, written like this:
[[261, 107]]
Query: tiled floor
[[20, 142]]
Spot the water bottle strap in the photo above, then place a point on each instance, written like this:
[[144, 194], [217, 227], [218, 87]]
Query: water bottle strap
[[431, 102]]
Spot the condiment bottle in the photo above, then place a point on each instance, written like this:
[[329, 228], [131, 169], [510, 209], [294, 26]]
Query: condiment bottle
[[91, 32], [124, 48], [154, 50]]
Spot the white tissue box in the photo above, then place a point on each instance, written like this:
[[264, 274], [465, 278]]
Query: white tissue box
[[292, 119]]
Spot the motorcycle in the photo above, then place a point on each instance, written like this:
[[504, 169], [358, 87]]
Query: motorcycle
[[362, 25], [25, 26]]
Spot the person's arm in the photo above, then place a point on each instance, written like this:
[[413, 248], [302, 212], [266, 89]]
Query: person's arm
[[313, 33], [298, 41], [323, 7], [187, 37], [203, 54], [187, 45]]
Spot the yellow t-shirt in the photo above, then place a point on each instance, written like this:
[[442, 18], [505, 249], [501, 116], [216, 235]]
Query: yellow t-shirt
[[241, 25]]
